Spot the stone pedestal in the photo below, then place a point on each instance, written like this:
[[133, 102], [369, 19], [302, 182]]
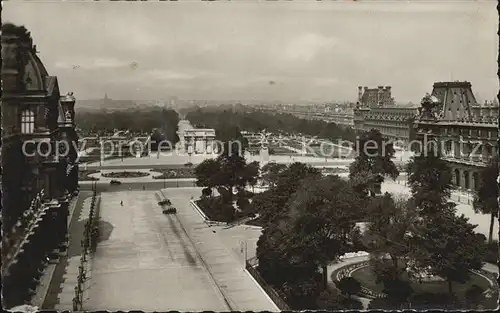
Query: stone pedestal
[[264, 156]]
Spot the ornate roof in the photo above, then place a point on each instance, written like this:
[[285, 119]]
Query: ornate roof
[[34, 73]]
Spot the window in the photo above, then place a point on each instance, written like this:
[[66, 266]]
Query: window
[[27, 122]]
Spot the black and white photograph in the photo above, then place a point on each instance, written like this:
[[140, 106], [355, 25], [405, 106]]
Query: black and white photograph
[[246, 155]]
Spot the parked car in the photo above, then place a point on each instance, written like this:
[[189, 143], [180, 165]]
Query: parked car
[[115, 182], [171, 210], [165, 202]]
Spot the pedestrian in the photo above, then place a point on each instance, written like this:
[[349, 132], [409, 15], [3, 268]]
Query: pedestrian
[[143, 187], [121, 203]]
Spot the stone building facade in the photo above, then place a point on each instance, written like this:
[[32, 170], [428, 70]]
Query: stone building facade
[[40, 168], [464, 131], [375, 109]]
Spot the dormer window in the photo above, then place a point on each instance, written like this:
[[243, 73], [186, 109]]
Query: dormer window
[[27, 122]]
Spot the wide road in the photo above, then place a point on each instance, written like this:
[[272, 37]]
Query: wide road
[[145, 261]]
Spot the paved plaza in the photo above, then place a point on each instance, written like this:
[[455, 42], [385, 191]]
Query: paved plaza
[[463, 201], [169, 159], [154, 262], [146, 262], [239, 288]]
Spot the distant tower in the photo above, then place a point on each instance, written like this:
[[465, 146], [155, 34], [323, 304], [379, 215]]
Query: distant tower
[[106, 96], [360, 93]]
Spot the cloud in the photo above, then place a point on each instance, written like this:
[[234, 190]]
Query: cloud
[[307, 46], [163, 75]]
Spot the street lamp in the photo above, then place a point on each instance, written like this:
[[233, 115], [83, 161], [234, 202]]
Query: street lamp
[[243, 250]]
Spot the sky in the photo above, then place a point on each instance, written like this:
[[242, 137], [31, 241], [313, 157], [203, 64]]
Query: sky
[[249, 50]]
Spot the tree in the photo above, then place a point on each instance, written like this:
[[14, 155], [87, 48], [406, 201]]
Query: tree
[[271, 204], [430, 183], [486, 196], [284, 268], [448, 245], [252, 173], [322, 212], [207, 174], [271, 171], [374, 156], [349, 286], [388, 222]]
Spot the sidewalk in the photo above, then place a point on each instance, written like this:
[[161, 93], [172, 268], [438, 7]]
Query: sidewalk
[[44, 288], [237, 286], [60, 297]]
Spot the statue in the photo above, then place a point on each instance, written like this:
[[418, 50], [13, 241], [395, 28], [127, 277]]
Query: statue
[[429, 109], [264, 143], [264, 147]]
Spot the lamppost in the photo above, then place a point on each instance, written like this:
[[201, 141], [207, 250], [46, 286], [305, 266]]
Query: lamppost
[[243, 250]]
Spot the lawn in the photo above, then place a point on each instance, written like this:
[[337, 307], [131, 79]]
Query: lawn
[[366, 277]]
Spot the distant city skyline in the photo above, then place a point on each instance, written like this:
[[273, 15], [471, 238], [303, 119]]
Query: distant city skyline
[[287, 51]]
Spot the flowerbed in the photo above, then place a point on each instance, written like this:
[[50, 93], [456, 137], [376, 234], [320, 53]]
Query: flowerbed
[[125, 174], [84, 175], [175, 173]]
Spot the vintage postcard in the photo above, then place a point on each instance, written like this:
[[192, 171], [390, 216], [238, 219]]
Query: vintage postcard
[[249, 155]]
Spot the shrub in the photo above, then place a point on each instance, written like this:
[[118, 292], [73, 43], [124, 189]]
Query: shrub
[[491, 252], [428, 300], [397, 290], [349, 286], [206, 192], [332, 300], [474, 295]]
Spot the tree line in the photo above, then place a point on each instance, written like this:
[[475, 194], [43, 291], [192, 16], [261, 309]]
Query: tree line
[[159, 121], [255, 121]]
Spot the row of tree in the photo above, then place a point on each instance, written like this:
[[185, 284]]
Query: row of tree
[[137, 121], [310, 220], [229, 173], [256, 121]]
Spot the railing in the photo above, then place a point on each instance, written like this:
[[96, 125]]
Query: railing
[[91, 234], [276, 296], [13, 241]]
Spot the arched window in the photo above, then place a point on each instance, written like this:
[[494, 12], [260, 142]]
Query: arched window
[[27, 122]]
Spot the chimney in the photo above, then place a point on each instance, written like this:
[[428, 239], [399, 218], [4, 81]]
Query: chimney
[[360, 93], [68, 105], [380, 95]]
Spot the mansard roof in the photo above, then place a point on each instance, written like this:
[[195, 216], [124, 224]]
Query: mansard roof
[[456, 99]]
